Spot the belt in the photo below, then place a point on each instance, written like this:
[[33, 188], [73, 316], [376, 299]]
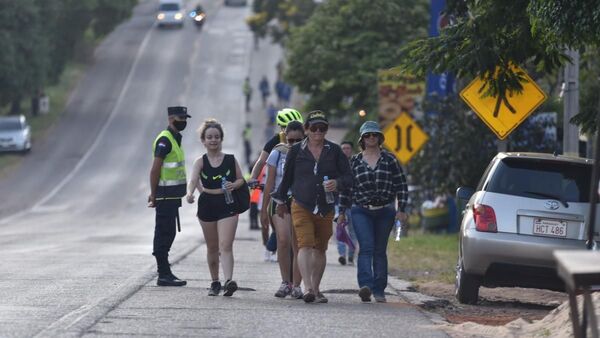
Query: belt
[[373, 207]]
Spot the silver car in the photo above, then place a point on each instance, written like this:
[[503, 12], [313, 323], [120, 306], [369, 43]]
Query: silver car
[[15, 133], [170, 13], [526, 206]]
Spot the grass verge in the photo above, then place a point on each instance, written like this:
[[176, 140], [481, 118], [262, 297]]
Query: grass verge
[[423, 257], [41, 124]]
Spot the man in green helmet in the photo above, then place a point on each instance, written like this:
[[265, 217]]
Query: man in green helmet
[[167, 187]]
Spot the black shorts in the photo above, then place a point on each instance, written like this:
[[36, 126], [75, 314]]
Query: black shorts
[[212, 208]]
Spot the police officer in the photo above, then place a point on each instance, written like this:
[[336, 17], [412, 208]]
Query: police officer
[[167, 187]]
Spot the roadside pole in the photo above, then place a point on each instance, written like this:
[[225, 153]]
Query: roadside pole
[[571, 105]]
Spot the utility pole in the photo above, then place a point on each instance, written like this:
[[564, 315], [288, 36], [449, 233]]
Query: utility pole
[[571, 102]]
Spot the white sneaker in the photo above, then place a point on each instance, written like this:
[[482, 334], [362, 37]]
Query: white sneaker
[[267, 256], [273, 257], [297, 293]]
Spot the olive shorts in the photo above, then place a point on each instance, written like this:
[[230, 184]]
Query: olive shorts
[[312, 231]]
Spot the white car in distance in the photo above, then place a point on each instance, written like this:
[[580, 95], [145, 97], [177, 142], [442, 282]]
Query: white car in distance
[[170, 13]]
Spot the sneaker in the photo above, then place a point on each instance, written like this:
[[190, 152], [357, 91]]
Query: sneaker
[[230, 288], [284, 289], [309, 297], [267, 256], [321, 298], [169, 280], [380, 299], [365, 294], [350, 260], [273, 257], [297, 293], [342, 260], [215, 288]]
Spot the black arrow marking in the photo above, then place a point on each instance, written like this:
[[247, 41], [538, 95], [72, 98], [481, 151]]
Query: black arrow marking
[[398, 138]]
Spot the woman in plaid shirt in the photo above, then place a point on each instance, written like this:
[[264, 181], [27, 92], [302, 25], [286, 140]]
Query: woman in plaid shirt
[[378, 181]]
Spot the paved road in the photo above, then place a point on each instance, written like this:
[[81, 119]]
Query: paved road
[[75, 233]]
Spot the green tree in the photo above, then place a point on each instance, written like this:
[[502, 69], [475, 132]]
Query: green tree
[[23, 57], [335, 56], [40, 37], [286, 13], [487, 37], [589, 84], [459, 148]]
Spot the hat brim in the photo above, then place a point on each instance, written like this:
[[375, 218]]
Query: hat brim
[[317, 121], [182, 115]]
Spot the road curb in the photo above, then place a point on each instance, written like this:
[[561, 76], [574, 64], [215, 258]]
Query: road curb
[[405, 290], [77, 322]]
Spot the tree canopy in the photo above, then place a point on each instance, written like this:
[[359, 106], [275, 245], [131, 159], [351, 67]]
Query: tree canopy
[[39, 37], [487, 37], [335, 56], [286, 13]]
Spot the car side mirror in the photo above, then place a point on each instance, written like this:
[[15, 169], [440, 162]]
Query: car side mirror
[[464, 193]]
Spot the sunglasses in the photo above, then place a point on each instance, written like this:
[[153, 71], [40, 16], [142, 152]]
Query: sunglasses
[[294, 140], [320, 127], [367, 135]]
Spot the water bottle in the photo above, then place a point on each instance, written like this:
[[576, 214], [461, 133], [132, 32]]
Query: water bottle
[[398, 225], [329, 198], [227, 193]]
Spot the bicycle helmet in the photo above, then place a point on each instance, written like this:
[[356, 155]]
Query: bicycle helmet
[[287, 115]]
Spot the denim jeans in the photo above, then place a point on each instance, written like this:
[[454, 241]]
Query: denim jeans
[[373, 229], [341, 246]]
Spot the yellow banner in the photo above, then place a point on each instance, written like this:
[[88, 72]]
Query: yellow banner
[[398, 92]]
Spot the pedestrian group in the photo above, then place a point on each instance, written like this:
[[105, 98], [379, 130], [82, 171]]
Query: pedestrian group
[[309, 180]]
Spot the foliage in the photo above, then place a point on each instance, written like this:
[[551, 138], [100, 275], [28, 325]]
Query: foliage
[[460, 147], [573, 23], [487, 37], [40, 37], [589, 104], [335, 56], [287, 13]]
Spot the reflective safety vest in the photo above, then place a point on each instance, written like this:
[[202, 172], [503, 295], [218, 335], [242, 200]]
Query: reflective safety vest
[[172, 183]]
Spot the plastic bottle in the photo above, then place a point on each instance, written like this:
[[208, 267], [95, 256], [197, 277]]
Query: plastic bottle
[[398, 225], [329, 198], [227, 193]]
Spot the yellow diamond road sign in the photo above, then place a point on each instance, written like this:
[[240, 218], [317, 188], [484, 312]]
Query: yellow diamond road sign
[[506, 121], [404, 137]]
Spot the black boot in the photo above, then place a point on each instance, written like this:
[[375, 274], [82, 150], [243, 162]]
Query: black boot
[[165, 276]]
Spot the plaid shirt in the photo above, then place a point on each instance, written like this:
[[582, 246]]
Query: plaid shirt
[[379, 186]]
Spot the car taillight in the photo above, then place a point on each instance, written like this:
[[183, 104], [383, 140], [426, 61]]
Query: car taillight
[[485, 218]]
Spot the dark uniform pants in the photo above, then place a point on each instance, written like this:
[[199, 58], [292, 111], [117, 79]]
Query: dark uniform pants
[[164, 230]]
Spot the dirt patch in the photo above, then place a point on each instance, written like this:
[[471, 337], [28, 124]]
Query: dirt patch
[[496, 307]]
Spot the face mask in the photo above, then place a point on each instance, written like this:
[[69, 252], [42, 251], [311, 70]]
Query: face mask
[[179, 125]]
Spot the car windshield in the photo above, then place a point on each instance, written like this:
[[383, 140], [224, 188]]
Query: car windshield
[[563, 181], [169, 7], [11, 124]]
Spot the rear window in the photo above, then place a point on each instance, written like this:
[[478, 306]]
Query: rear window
[[169, 7], [542, 179], [10, 124]]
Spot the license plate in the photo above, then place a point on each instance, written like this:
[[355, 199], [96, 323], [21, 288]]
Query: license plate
[[549, 227]]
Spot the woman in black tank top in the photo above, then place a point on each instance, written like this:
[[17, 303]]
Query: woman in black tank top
[[217, 218]]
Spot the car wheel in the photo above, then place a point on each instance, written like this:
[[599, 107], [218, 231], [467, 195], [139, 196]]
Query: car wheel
[[466, 287]]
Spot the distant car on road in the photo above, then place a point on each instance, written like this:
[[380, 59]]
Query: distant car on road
[[15, 133], [236, 2], [526, 206], [170, 13]]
